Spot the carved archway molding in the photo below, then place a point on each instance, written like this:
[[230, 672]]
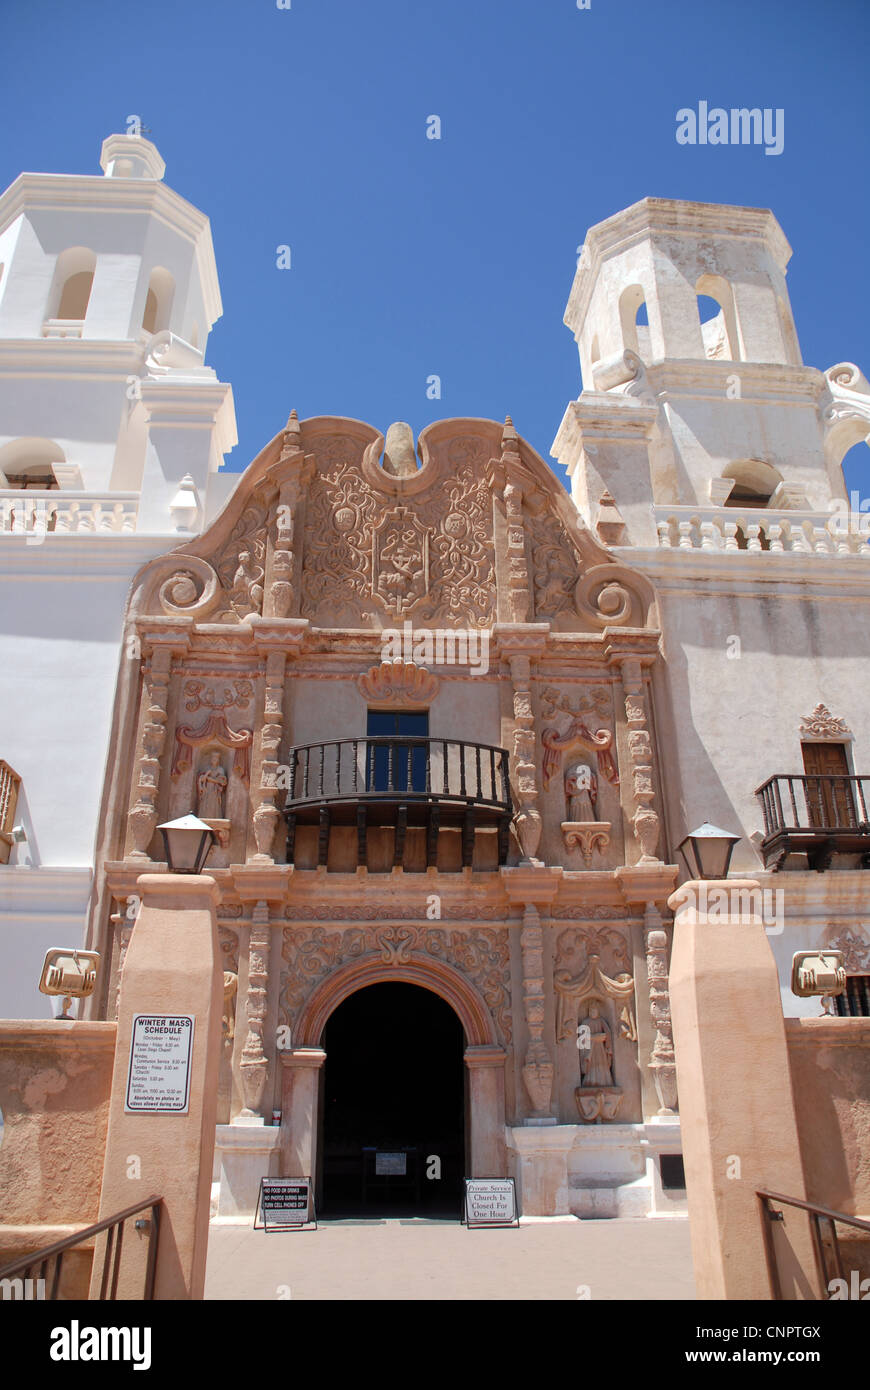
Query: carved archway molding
[[442, 979]]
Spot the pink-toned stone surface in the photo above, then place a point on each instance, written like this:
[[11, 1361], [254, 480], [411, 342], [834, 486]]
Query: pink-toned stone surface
[[173, 966], [55, 1081], [54, 1094], [737, 1112], [830, 1069]]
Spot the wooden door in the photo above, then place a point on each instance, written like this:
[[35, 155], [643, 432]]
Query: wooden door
[[829, 803]]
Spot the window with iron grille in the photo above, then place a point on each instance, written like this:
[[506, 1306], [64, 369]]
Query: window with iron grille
[[855, 1002], [9, 784]]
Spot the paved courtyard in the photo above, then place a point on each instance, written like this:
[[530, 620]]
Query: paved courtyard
[[421, 1260]]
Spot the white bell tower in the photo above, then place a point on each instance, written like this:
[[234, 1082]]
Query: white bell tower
[[695, 393], [108, 292]]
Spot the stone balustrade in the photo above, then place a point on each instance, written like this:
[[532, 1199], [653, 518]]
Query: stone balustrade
[[732, 528], [55, 511]]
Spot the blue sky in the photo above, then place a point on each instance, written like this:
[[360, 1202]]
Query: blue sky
[[411, 257]]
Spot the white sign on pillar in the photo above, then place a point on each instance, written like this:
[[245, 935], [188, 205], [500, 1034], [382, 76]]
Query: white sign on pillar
[[158, 1081]]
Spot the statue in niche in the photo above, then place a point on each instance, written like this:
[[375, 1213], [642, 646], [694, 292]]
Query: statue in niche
[[596, 1064], [211, 785], [581, 792]]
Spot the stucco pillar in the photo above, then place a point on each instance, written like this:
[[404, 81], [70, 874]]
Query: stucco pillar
[[173, 967], [301, 1068], [737, 1111], [486, 1110]]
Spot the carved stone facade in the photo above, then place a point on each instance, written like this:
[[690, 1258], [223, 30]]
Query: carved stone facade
[[263, 649]]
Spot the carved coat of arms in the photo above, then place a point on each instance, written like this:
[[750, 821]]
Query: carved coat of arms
[[400, 561]]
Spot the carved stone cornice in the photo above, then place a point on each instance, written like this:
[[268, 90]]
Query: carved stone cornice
[[521, 639], [630, 644], [645, 883], [531, 883], [261, 882], [170, 634], [278, 634]]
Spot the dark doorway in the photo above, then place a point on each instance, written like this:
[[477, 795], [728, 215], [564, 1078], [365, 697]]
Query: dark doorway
[[393, 1105]]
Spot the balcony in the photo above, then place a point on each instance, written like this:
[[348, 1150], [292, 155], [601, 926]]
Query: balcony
[[816, 816], [402, 783]]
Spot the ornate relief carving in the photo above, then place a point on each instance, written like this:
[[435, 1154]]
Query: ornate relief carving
[[645, 821], [527, 821], [584, 991], [538, 1065], [556, 565], [572, 730], [215, 729], [587, 836], [347, 912], [236, 695], [192, 589], [856, 950], [432, 558], [142, 818], [254, 1064], [661, 1062], [400, 561], [579, 975], [241, 565], [821, 725], [482, 955], [398, 683]]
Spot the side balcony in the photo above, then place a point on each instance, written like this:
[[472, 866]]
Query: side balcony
[[815, 815], [398, 799]]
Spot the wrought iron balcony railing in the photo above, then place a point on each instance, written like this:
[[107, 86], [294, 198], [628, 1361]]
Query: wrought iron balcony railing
[[400, 781], [816, 815]]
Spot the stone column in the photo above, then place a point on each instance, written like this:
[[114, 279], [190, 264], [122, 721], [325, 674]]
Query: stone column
[[254, 1063], [276, 639], [519, 642], [486, 1110], [739, 1127], [301, 1068], [661, 1062], [538, 1066], [142, 818], [173, 967]]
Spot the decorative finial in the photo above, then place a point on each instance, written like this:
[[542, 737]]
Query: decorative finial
[[400, 458]]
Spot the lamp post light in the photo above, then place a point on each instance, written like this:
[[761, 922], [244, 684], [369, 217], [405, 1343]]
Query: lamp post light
[[187, 842], [707, 851]]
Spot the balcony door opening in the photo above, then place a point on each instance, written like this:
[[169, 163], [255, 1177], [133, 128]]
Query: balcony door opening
[[392, 1106], [401, 765], [830, 803]]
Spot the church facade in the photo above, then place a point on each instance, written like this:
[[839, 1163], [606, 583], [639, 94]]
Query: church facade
[[449, 725]]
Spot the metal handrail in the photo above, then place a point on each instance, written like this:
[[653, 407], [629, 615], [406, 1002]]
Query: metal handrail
[[816, 1214], [56, 1252], [320, 773]]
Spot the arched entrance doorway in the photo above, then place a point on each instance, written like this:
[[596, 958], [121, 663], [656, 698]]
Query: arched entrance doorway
[[392, 1104]]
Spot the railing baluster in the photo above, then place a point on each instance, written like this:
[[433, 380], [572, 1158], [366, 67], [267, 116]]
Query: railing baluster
[[322, 757], [478, 791], [492, 795], [390, 747], [444, 754], [462, 769], [338, 767], [356, 764], [428, 767], [408, 781], [307, 752]]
